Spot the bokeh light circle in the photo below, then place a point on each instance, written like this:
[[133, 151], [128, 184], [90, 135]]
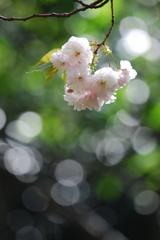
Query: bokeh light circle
[[34, 123], [127, 119], [114, 235], [18, 218], [137, 42], [137, 92], [34, 199], [146, 202], [129, 23], [2, 118], [29, 232], [110, 151], [64, 195], [148, 2], [17, 161], [143, 141], [69, 172]]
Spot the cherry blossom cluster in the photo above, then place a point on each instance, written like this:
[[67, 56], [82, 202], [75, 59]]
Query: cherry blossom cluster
[[83, 89]]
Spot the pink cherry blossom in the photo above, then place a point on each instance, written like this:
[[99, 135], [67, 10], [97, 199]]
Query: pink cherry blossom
[[79, 79], [78, 50], [59, 60], [125, 74], [80, 102], [105, 83]]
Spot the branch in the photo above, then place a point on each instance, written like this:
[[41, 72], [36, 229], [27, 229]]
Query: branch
[[109, 31], [96, 4], [82, 3]]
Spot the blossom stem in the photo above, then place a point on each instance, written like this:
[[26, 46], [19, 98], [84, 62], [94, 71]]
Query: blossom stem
[[117, 65], [109, 62]]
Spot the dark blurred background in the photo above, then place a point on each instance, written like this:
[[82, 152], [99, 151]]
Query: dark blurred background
[[79, 175]]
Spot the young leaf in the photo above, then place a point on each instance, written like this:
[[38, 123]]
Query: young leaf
[[46, 58], [51, 72], [64, 75], [43, 66]]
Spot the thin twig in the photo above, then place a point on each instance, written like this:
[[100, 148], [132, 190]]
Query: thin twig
[[110, 29], [101, 4], [96, 4], [82, 3]]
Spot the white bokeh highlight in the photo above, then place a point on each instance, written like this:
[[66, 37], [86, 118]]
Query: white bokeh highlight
[[148, 2], [143, 141], [64, 195], [136, 42], [127, 119], [33, 122], [69, 172], [137, 92], [23, 161], [17, 161], [2, 118], [129, 23], [146, 202], [110, 151]]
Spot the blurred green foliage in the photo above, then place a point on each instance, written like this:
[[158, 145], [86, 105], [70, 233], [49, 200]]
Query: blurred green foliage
[[109, 187]]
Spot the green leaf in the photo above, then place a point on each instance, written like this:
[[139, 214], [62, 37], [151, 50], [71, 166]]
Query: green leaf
[[42, 67], [64, 75], [44, 63], [46, 58], [51, 72]]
